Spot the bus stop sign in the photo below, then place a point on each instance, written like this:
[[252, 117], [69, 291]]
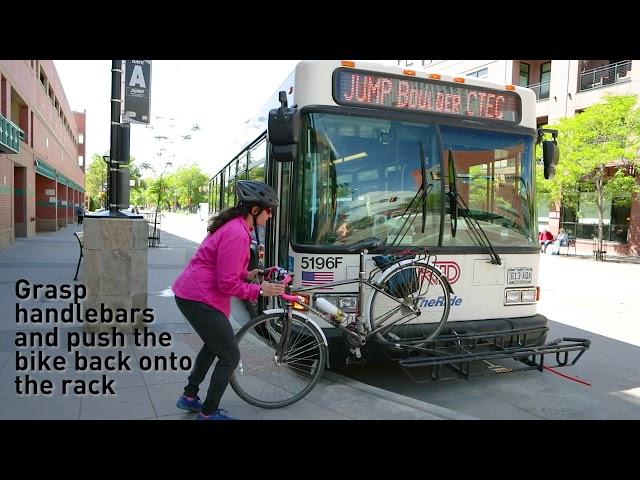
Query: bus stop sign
[[137, 91]]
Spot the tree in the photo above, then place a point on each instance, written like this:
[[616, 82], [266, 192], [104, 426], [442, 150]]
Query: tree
[[96, 177], [600, 150], [137, 190], [190, 181]]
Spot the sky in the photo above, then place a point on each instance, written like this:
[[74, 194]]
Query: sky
[[217, 95]]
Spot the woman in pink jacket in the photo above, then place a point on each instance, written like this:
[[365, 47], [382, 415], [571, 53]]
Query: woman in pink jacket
[[217, 272]]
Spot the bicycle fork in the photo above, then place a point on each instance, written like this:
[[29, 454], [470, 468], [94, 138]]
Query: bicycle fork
[[284, 337]]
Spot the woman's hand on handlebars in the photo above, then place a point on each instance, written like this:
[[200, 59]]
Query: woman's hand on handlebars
[[271, 289]]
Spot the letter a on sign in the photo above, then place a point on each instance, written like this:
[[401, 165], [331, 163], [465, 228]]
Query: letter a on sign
[[137, 77], [137, 95]]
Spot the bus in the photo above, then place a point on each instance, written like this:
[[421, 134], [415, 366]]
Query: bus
[[416, 159]]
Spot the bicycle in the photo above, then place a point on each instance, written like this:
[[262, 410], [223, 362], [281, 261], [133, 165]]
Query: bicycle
[[283, 352]]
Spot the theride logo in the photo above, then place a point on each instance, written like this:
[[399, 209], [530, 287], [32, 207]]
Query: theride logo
[[438, 301], [450, 269]]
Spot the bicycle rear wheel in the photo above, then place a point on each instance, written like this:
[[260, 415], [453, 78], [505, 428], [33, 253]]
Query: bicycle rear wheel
[[262, 382], [421, 309]]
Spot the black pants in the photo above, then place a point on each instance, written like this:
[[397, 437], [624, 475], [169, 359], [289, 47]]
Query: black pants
[[214, 329], [80, 217]]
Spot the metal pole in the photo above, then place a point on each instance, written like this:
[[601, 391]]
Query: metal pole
[[116, 107], [155, 220]]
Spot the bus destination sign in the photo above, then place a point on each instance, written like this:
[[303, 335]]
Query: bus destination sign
[[356, 87]]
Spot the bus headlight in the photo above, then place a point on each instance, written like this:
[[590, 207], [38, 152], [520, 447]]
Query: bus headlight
[[512, 296], [529, 296], [519, 296], [346, 303]]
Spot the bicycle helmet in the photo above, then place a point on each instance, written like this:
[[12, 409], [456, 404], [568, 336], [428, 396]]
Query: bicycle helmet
[[259, 193]]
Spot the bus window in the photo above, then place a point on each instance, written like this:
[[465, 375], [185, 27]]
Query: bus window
[[257, 158], [493, 179], [363, 177], [242, 166]]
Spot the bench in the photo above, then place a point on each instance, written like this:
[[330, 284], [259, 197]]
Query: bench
[[80, 237], [569, 244]]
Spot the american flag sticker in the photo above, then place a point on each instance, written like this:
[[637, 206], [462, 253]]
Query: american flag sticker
[[312, 279]]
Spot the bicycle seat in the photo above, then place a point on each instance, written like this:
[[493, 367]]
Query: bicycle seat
[[370, 244]]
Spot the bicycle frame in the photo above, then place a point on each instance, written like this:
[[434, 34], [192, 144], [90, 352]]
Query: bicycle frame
[[360, 330]]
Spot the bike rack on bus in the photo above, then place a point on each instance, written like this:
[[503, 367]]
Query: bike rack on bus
[[455, 352]]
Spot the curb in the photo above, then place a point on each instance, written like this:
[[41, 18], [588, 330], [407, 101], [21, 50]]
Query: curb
[[430, 408]]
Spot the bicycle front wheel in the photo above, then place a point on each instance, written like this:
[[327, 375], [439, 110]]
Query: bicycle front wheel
[[260, 379], [419, 307]]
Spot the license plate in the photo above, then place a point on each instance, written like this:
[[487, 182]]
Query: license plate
[[519, 275]]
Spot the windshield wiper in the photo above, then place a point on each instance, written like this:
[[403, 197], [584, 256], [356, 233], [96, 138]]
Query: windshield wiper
[[424, 189], [475, 229]]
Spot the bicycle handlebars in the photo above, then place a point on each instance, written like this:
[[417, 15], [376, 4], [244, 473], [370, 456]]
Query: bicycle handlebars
[[286, 280]]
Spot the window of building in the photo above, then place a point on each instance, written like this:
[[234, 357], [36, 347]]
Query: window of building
[[582, 221], [483, 73], [545, 80], [80, 160], [43, 79], [524, 74], [81, 139]]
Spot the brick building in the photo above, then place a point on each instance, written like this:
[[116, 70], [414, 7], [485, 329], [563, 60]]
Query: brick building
[[41, 151], [564, 88]]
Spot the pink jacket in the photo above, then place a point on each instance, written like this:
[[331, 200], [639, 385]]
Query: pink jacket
[[218, 270]]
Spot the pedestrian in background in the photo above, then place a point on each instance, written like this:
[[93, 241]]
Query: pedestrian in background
[[563, 238], [80, 213], [545, 238], [217, 272]]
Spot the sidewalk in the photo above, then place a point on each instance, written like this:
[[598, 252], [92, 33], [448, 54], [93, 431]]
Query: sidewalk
[[51, 258]]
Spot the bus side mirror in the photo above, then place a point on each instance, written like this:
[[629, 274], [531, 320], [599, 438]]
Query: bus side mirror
[[550, 152], [550, 158], [283, 131]]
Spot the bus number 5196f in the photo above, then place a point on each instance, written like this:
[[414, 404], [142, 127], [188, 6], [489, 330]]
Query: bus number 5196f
[[320, 262]]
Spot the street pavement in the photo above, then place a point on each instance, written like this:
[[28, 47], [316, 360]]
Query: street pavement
[[50, 258]]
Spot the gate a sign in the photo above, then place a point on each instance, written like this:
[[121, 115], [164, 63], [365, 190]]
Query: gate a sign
[[137, 91]]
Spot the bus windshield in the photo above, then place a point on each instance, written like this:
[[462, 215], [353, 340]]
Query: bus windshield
[[361, 177]]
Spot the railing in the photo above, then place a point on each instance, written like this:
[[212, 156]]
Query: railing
[[604, 76], [541, 89], [10, 136]]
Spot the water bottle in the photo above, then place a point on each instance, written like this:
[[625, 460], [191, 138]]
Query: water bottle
[[329, 308]]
